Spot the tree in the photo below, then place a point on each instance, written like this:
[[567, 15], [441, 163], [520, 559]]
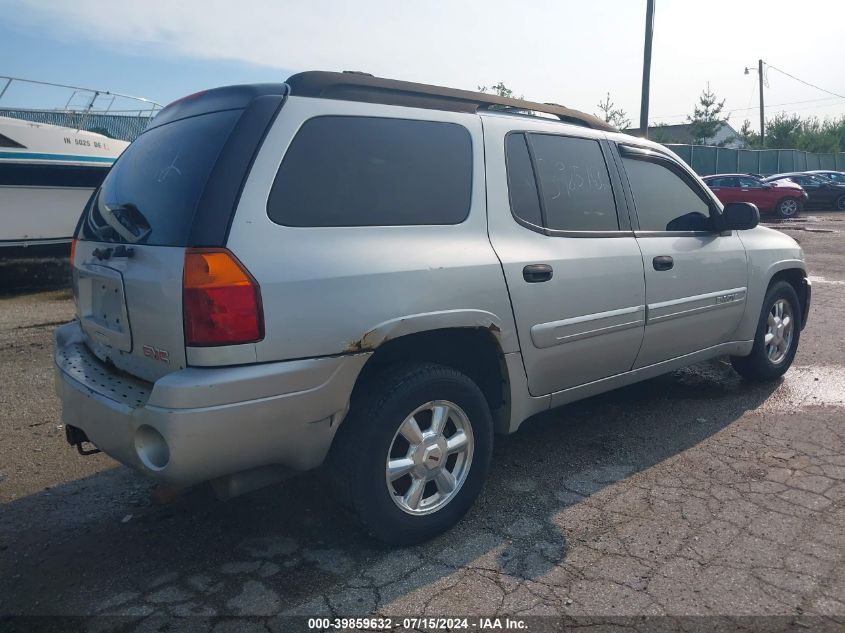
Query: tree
[[500, 89], [748, 136], [706, 119], [617, 117]]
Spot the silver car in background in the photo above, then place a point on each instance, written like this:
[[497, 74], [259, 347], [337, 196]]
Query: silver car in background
[[379, 275]]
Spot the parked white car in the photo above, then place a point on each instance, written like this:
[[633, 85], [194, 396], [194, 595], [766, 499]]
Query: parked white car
[[379, 274]]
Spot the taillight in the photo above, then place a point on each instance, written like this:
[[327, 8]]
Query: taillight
[[221, 302], [72, 251]]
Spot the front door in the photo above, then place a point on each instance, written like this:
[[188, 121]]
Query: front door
[[573, 269], [696, 278]]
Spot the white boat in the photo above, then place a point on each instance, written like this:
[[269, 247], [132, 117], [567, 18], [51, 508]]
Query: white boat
[[48, 173]]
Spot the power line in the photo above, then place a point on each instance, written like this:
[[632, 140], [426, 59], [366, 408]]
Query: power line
[[774, 105], [806, 83]]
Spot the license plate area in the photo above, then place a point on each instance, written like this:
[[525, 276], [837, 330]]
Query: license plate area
[[102, 307]]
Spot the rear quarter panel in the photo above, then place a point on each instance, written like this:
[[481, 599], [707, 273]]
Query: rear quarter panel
[[328, 290]]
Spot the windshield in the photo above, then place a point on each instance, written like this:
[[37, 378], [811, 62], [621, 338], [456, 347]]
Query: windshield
[[152, 191]]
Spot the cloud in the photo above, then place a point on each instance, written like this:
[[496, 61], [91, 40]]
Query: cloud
[[452, 43], [548, 50]]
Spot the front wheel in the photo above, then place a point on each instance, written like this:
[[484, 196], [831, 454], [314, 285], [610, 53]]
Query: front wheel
[[413, 454], [776, 339], [840, 203], [787, 208]]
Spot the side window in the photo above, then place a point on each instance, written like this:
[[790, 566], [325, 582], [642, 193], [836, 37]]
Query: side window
[[722, 182], [522, 186], [749, 183], [664, 201], [367, 171], [574, 184], [5, 141]]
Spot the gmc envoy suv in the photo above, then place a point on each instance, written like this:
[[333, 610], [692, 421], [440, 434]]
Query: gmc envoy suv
[[379, 276]]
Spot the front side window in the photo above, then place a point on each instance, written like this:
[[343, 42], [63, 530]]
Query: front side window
[[722, 182], [574, 184], [367, 171], [664, 201]]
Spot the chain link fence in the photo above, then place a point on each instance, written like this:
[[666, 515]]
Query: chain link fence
[[124, 127]]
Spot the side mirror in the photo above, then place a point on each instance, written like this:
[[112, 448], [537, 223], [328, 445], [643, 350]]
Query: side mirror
[[768, 186], [740, 216]]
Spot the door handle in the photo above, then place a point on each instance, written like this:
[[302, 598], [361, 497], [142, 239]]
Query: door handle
[[663, 262], [535, 273]]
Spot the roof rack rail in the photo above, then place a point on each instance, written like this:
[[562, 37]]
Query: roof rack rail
[[357, 86]]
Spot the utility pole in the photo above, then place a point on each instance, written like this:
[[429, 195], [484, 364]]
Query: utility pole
[[649, 33], [762, 118]]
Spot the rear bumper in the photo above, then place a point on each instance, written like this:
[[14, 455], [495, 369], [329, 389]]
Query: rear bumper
[[199, 424]]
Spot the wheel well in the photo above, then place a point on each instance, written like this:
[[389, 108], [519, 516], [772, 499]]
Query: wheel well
[[471, 351], [795, 278]]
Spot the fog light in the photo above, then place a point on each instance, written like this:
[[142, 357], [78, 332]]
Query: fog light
[[151, 447]]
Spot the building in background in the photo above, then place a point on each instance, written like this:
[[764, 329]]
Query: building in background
[[725, 135]]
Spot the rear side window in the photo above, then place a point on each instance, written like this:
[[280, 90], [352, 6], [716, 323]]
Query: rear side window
[[664, 201], [151, 193], [574, 184], [366, 171], [522, 186]]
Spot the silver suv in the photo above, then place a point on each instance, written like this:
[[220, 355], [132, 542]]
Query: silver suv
[[379, 275]]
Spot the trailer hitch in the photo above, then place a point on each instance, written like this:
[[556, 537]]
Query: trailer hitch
[[76, 437]]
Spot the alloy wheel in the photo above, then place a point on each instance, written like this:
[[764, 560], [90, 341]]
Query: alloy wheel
[[779, 329], [429, 458], [789, 207]]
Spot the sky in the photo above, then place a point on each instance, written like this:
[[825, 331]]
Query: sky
[[564, 51]]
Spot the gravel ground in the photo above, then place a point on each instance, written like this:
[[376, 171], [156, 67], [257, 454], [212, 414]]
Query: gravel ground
[[691, 494]]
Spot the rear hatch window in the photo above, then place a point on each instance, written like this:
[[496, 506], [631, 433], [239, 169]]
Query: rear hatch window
[[129, 260], [151, 194]]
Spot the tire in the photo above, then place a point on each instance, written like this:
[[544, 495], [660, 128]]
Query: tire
[[370, 437], [787, 208], [763, 363], [840, 203]]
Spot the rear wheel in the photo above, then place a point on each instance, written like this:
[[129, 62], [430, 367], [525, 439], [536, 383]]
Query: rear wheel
[[787, 208], [413, 454], [840, 203], [776, 339]]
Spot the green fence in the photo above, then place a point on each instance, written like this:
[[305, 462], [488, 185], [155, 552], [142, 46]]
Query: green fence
[[707, 160]]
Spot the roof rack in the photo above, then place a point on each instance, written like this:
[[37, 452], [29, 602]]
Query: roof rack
[[357, 86]]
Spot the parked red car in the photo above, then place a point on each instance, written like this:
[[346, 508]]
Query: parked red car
[[784, 198]]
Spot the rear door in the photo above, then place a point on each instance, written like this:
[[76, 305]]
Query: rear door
[[726, 188], [572, 265], [131, 243], [695, 277]]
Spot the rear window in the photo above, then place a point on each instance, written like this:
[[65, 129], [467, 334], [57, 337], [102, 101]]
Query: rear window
[[151, 193], [366, 171]]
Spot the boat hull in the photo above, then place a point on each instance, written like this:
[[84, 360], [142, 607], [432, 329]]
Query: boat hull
[[40, 215]]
